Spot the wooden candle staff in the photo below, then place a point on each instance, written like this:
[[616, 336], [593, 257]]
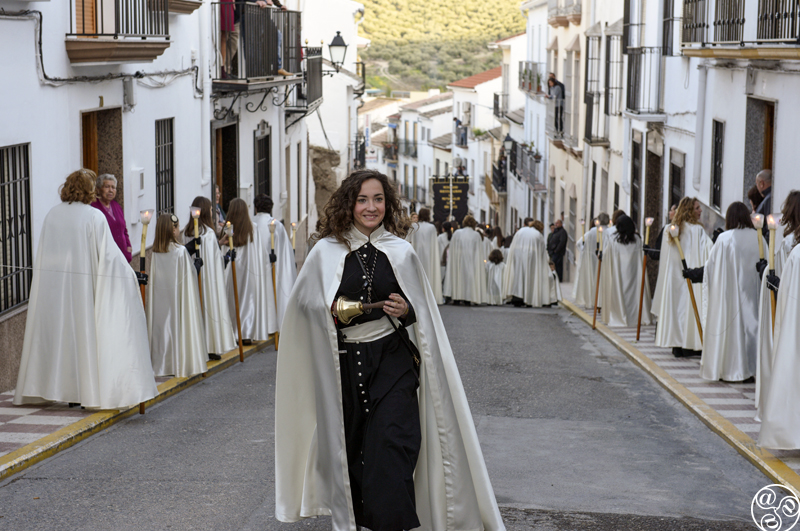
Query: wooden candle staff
[[229, 233], [272, 263], [599, 247], [195, 217], [772, 225], [674, 233], [648, 223], [294, 232], [758, 224], [583, 227]]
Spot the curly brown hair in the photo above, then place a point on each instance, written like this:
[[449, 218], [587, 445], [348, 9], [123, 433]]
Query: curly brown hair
[[790, 215], [79, 187], [337, 216]]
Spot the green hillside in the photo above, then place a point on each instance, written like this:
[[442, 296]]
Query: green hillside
[[418, 44]]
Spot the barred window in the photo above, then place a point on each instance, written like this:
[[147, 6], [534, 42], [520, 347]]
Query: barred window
[[614, 78], [263, 175], [165, 168], [16, 239]]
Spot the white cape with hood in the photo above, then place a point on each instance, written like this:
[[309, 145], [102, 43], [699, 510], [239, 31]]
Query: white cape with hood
[[86, 333], [586, 278], [677, 326], [220, 325], [780, 410], [465, 278], [783, 247], [425, 242], [527, 268], [256, 297], [285, 267], [452, 486], [621, 275], [174, 318], [494, 273], [730, 307]]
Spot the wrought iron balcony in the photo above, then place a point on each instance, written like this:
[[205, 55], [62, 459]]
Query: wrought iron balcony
[[527, 167], [308, 96], [644, 80], [116, 31], [499, 178], [595, 130], [421, 194], [763, 29], [266, 52], [390, 152], [462, 135], [531, 77], [408, 148], [360, 159], [500, 105], [556, 15], [572, 9]]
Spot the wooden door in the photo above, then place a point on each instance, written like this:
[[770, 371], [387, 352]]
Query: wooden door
[[85, 17], [89, 134]]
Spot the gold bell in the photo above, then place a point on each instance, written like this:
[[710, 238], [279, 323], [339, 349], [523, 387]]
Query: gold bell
[[347, 310]]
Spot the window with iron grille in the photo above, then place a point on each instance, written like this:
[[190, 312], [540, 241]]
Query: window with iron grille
[[676, 176], [614, 77], [636, 179], [594, 186], [616, 197], [16, 239], [592, 65], [718, 135], [165, 168], [263, 167], [671, 24]]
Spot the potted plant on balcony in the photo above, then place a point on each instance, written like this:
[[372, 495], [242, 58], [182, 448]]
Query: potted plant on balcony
[[538, 82], [536, 155]]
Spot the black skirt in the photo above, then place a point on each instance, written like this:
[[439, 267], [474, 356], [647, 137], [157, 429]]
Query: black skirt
[[382, 431]]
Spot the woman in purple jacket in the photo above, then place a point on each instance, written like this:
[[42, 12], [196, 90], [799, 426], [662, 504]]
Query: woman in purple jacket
[[106, 192]]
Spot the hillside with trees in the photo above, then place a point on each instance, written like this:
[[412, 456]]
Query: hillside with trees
[[420, 44]]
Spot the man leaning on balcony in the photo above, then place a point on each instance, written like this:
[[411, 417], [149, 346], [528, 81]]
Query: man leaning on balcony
[[555, 91], [230, 25]]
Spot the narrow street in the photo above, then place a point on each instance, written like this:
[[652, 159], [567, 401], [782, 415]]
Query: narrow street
[[574, 435]]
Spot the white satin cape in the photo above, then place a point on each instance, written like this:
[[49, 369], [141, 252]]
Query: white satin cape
[[555, 288], [527, 268], [453, 490], [609, 235], [425, 242], [465, 277], [256, 297], [220, 326], [86, 333], [783, 247], [494, 273], [174, 319], [444, 245], [621, 276], [677, 326], [285, 267], [586, 278], [780, 411], [730, 307]]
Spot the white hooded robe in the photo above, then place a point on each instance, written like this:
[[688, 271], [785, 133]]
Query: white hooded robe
[[527, 268], [424, 240], [586, 277], [285, 267], [465, 278], [86, 333], [256, 297], [621, 273]]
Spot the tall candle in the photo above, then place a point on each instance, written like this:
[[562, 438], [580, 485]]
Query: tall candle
[[758, 224], [294, 231], [272, 234], [600, 238], [648, 222], [583, 226], [772, 224], [145, 216], [229, 233]]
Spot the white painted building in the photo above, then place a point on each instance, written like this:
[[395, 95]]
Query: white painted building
[[153, 100]]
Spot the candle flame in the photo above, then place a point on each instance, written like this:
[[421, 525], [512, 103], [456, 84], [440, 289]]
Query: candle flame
[[600, 229], [195, 212], [272, 226], [583, 222], [649, 221], [773, 220], [228, 229], [293, 224], [758, 220], [597, 223], [674, 231]]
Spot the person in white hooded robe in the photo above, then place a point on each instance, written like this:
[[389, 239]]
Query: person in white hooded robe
[[425, 242], [219, 327], [586, 277], [444, 248], [609, 236], [285, 267], [85, 333], [367, 403], [677, 325], [174, 317], [526, 277], [622, 274], [730, 300], [258, 313], [494, 272], [465, 277]]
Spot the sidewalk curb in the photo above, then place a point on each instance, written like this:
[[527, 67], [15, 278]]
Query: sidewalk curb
[[775, 469], [68, 436]]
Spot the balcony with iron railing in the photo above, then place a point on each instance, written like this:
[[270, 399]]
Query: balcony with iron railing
[[390, 151], [527, 167], [532, 77], [407, 147], [572, 9], [421, 194], [500, 107], [499, 177], [117, 31], [462, 136], [556, 15], [644, 81], [306, 97], [266, 52], [595, 133], [360, 159], [741, 29]]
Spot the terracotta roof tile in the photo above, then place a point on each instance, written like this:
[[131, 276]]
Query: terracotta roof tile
[[477, 79]]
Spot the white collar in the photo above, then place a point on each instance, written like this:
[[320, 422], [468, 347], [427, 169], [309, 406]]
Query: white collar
[[358, 238]]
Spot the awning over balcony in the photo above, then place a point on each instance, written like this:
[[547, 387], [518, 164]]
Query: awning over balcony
[[553, 46]]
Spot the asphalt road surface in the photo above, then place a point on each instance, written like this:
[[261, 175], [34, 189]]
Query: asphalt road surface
[[574, 435]]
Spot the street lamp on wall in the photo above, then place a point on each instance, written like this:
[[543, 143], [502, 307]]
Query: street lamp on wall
[[508, 142], [337, 49]]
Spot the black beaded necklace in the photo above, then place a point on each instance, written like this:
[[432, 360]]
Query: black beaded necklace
[[369, 272]]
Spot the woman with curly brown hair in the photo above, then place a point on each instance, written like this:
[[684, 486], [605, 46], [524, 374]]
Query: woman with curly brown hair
[[86, 334], [677, 327], [366, 404]]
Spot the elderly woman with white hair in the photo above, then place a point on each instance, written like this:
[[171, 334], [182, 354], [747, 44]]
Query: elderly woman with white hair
[[106, 192]]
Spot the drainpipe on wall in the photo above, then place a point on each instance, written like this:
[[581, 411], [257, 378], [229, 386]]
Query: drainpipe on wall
[[699, 126], [205, 109]]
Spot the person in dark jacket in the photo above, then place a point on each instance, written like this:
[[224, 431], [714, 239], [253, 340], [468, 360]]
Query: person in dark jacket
[[557, 247], [764, 185]]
